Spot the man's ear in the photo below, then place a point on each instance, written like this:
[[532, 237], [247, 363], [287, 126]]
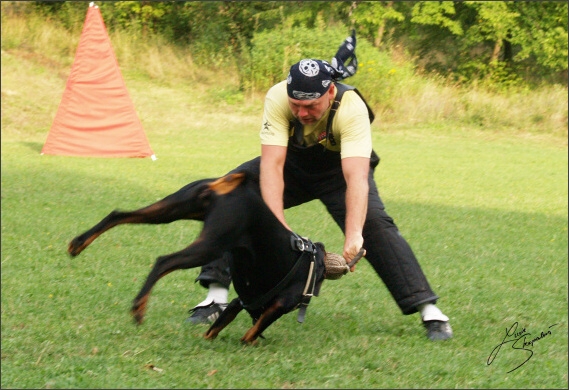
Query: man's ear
[[331, 92]]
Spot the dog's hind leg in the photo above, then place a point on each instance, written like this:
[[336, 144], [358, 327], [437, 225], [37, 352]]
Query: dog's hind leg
[[224, 319], [187, 203]]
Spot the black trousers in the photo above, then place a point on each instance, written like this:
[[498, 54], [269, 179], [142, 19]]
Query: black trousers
[[313, 173]]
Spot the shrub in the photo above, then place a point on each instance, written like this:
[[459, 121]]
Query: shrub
[[272, 53]]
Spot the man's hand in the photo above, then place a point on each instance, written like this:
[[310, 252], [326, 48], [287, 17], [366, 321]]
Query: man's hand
[[351, 249]]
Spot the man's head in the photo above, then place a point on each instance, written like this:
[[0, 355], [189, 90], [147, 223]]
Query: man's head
[[309, 79], [310, 82], [310, 90]]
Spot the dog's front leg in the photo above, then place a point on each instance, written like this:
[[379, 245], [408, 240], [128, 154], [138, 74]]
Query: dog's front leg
[[224, 319], [270, 315]]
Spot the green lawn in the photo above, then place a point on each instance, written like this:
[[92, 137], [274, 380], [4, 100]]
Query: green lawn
[[485, 213]]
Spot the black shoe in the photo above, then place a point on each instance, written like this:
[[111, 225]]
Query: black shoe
[[206, 314], [438, 330]]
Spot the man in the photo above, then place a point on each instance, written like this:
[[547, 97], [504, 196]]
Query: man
[[316, 144]]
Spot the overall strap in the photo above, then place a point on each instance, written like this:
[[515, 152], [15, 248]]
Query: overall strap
[[298, 133], [336, 104], [343, 88]]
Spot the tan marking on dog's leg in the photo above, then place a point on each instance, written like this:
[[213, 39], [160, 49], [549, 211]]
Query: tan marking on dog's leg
[[211, 334], [252, 334], [139, 309]]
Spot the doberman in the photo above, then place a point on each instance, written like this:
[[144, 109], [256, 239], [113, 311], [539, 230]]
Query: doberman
[[274, 271]]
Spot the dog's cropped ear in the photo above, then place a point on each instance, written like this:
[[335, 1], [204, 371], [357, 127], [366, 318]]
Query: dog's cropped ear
[[227, 183]]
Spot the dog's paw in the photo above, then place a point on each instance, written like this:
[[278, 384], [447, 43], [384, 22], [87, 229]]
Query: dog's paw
[[78, 244], [245, 341], [75, 247], [209, 335], [138, 310]]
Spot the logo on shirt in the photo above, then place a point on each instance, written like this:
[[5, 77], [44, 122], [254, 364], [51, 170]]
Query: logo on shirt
[[266, 128], [322, 137]]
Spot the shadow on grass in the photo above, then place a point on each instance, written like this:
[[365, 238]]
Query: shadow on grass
[[34, 146]]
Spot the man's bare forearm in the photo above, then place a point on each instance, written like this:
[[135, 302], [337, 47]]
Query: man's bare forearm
[[271, 180], [356, 171]]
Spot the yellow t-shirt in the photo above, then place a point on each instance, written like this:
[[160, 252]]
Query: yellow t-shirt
[[351, 127]]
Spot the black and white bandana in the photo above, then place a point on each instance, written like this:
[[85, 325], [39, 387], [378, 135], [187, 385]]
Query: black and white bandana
[[309, 79]]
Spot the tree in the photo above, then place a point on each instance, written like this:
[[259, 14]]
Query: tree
[[464, 39], [495, 23], [541, 33], [530, 36], [438, 13], [372, 17]]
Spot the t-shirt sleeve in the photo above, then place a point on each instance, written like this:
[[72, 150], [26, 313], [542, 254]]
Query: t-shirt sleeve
[[276, 117], [353, 121]]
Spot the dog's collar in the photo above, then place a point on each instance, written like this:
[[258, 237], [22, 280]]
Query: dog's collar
[[301, 244], [305, 245], [309, 290]]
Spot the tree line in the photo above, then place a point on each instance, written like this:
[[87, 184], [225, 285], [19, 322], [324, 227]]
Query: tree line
[[463, 40]]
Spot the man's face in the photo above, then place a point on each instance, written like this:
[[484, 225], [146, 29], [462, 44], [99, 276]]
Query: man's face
[[309, 112]]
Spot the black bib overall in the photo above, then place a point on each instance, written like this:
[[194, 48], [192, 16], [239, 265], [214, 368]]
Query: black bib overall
[[315, 172]]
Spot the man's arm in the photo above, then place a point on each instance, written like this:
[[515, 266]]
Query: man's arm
[[355, 171], [271, 179]]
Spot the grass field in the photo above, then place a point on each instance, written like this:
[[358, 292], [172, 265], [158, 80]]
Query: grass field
[[486, 214]]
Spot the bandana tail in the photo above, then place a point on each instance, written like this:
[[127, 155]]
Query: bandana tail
[[345, 63]]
